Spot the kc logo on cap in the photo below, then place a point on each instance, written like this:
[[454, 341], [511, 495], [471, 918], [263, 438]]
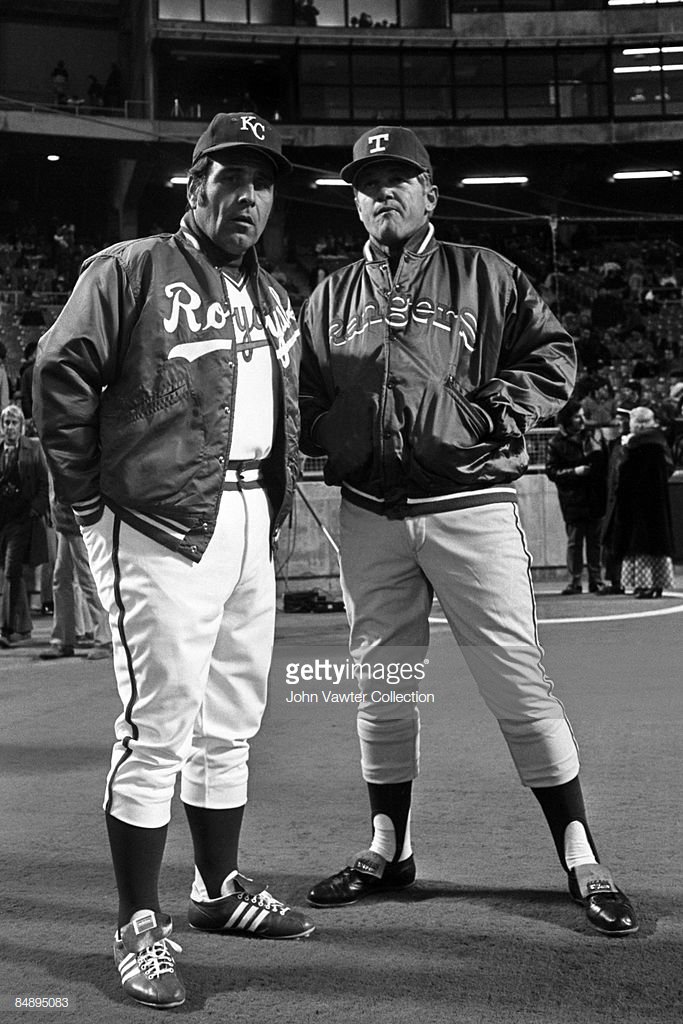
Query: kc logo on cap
[[249, 123], [387, 143], [241, 130]]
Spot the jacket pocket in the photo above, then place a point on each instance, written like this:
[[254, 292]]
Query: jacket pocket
[[346, 433], [450, 442], [153, 442]]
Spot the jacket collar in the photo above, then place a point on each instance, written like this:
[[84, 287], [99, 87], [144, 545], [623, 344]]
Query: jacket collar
[[196, 239], [418, 244]]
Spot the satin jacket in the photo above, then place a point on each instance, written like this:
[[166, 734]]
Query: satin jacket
[[420, 387], [134, 388]]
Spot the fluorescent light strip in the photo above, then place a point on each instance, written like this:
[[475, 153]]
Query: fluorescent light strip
[[330, 181], [641, 51], [513, 179], [639, 3], [639, 175], [179, 179], [645, 70]]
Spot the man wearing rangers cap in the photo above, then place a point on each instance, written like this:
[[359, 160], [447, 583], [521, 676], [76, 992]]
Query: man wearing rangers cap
[[166, 402], [424, 364]]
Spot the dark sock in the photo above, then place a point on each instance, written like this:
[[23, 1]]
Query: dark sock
[[562, 805], [216, 840], [393, 800], [136, 853]]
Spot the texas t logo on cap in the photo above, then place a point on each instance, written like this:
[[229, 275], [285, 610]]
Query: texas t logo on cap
[[387, 143], [378, 143]]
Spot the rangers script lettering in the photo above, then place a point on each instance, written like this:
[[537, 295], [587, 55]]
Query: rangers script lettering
[[402, 309]]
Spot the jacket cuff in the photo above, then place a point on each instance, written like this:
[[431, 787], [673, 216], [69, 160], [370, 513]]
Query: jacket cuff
[[90, 511]]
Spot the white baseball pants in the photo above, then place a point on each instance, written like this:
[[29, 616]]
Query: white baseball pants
[[477, 562], [192, 651]]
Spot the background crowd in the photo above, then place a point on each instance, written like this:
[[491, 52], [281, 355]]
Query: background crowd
[[620, 299]]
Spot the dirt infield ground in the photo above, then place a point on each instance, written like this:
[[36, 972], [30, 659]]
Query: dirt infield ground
[[487, 935]]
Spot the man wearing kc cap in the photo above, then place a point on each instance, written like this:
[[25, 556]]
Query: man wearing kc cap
[[423, 366], [166, 402]]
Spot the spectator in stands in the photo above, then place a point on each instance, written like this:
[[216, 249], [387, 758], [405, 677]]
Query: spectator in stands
[[305, 13], [671, 413], [23, 538], [613, 280], [26, 379], [607, 309], [668, 283], [636, 281], [113, 95], [95, 92], [616, 453], [599, 405], [643, 533], [4, 379], [72, 570], [60, 83], [593, 353], [628, 396], [577, 465]]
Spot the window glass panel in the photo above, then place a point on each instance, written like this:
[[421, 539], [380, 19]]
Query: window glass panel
[[373, 68], [380, 104], [417, 14], [582, 83], [531, 101], [271, 12], [529, 66], [369, 13], [226, 11], [643, 77], [323, 67], [479, 85], [673, 88], [428, 104], [324, 103], [183, 10], [480, 103], [427, 69], [330, 12]]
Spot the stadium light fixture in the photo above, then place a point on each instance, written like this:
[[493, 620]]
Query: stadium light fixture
[[53, 157], [644, 175], [640, 3], [641, 51], [500, 179], [638, 70]]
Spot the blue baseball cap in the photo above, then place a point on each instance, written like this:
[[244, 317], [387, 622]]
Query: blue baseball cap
[[387, 142], [241, 130]]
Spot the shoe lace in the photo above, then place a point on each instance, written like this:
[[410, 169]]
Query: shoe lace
[[263, 899], [158, 959], [267, 901]]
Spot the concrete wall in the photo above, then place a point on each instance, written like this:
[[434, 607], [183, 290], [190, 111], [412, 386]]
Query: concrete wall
[[307, 559]]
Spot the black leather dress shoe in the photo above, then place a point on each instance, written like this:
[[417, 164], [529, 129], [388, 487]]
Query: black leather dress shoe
[[572, 588], [369, 875], [607, 908]]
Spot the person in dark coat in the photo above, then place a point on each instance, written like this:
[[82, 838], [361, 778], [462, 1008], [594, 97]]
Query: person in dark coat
[[643, 530], [577, 465], [616, 454], [23, 503]]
